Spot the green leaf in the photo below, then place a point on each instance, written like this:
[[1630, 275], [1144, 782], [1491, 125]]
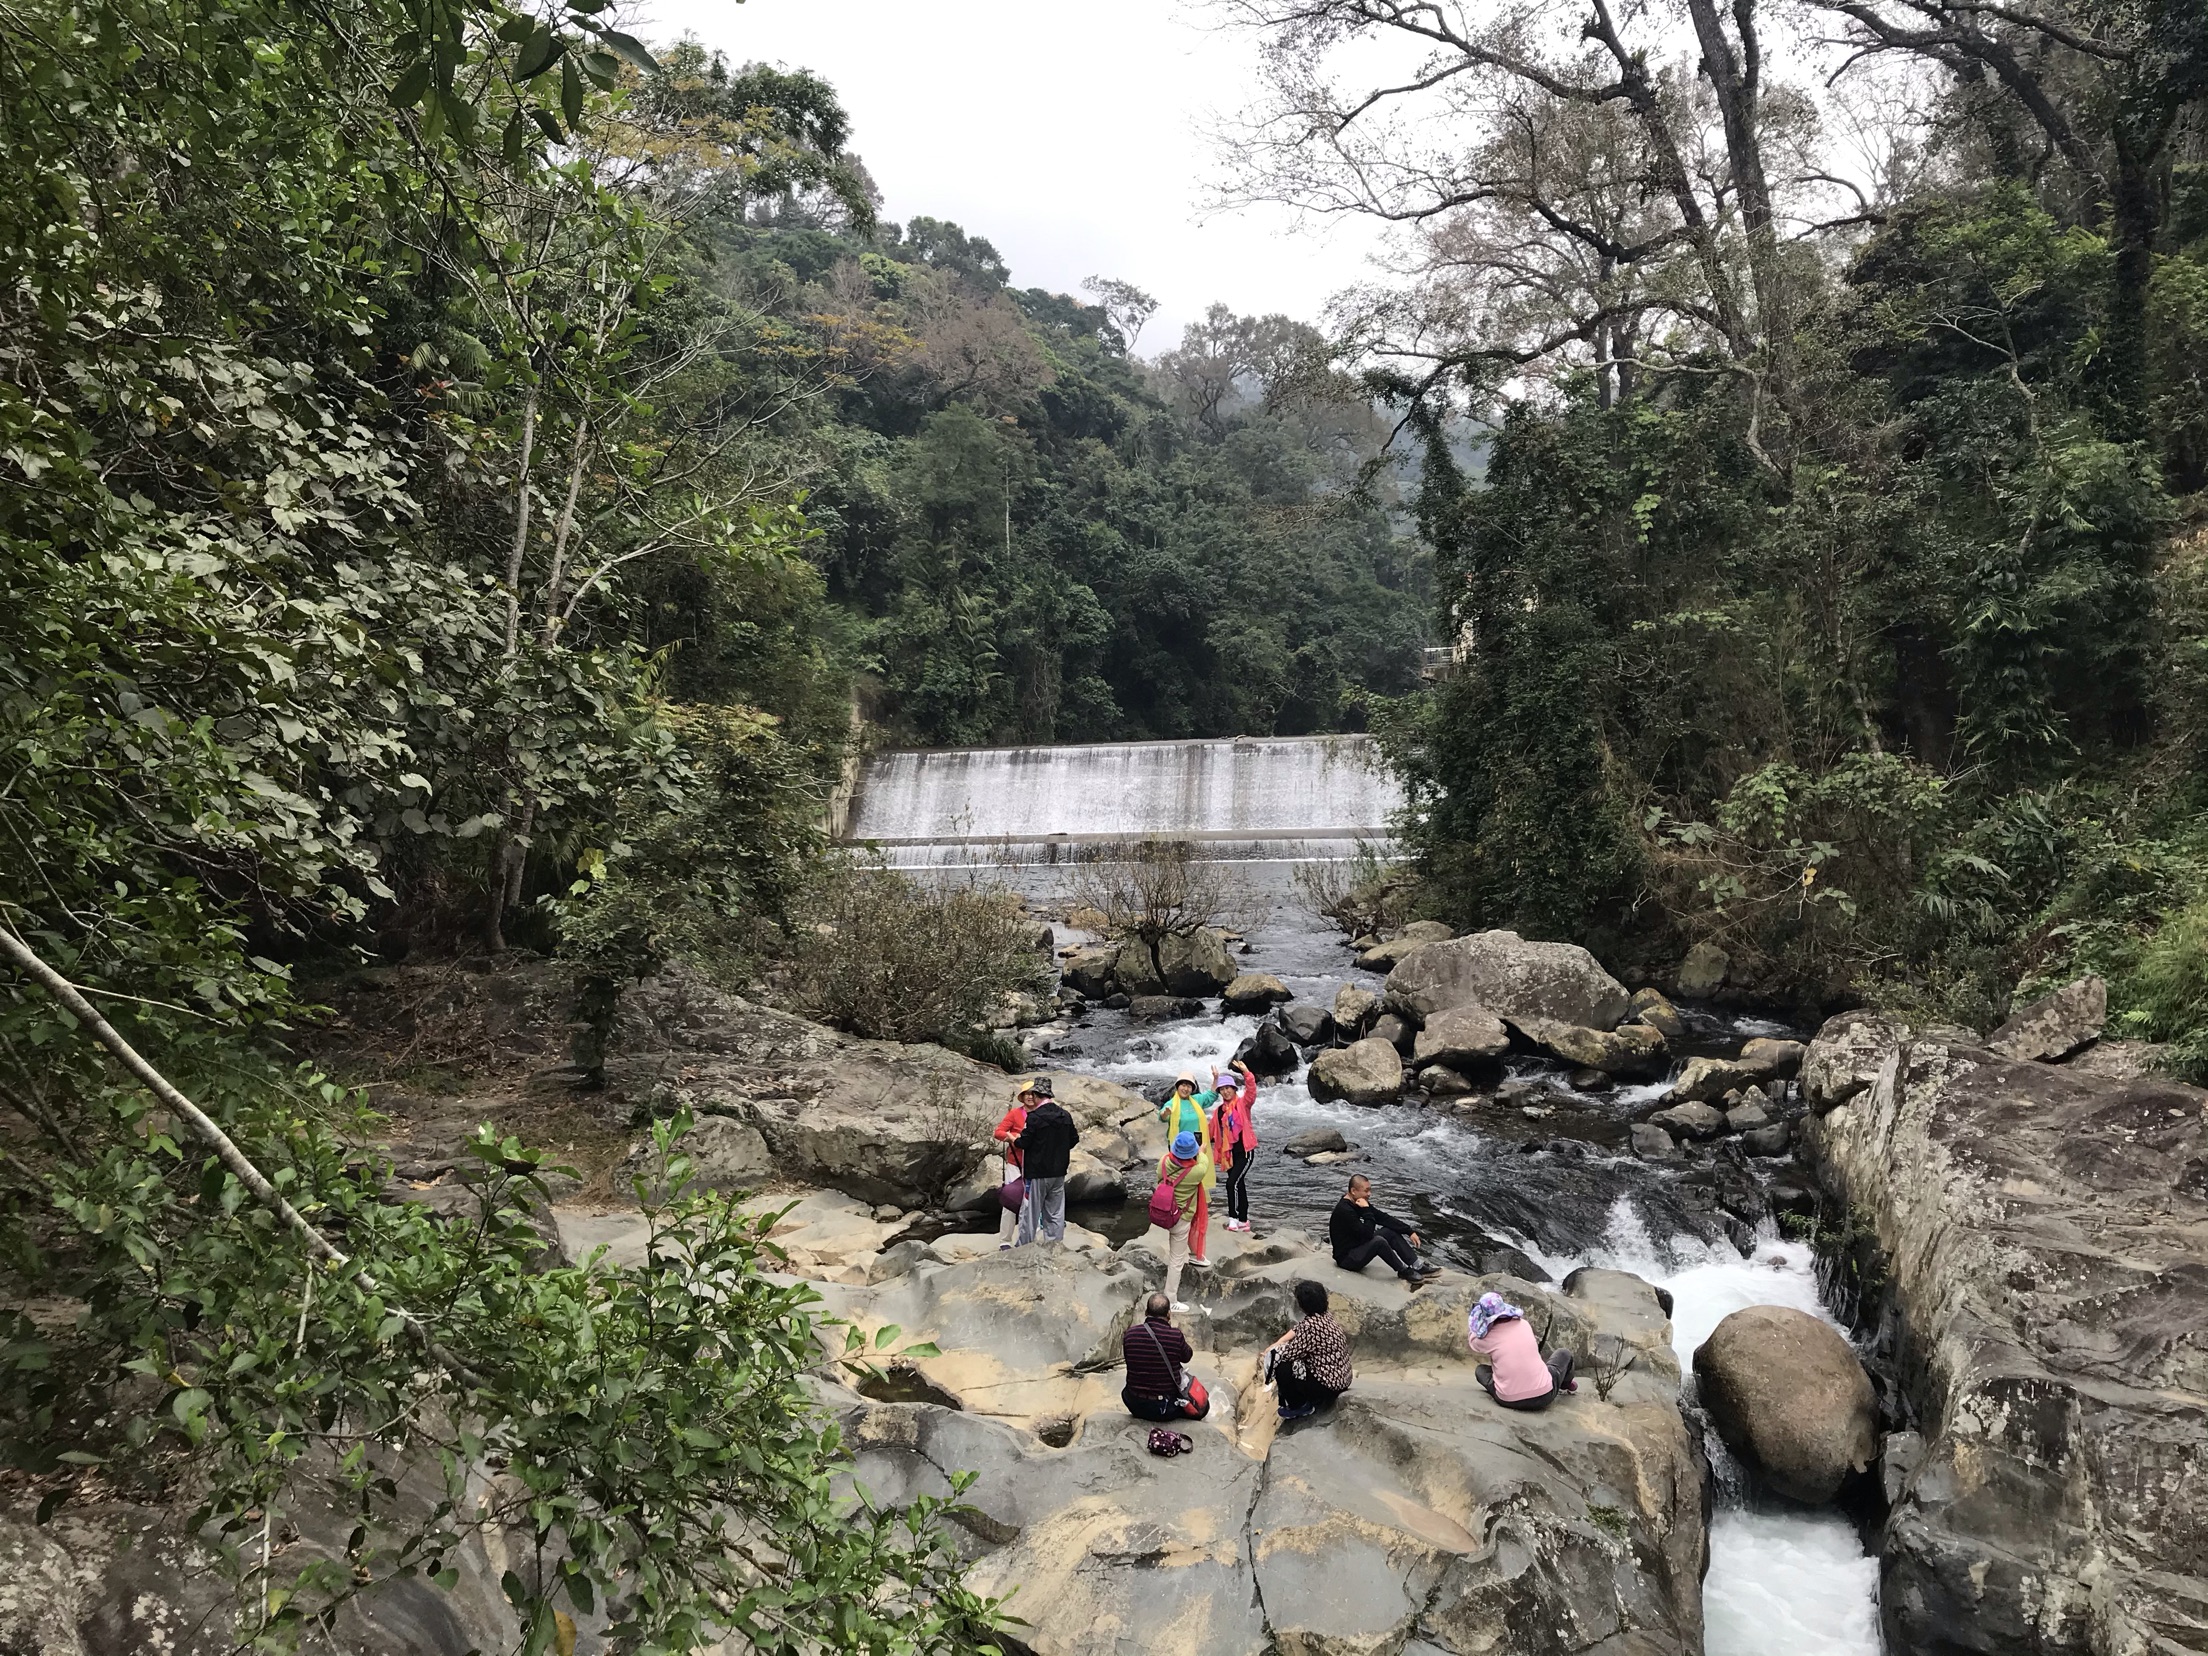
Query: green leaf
[[631, 48], [885, 1334], [544, 48], [549, 125], [571, 93], [411, 85]]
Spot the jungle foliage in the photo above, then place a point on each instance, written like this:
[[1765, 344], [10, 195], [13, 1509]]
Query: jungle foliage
[[361, 417], [1831, 586]]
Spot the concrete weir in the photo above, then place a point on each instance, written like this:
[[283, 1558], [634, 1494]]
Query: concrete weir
[[1293, 798]]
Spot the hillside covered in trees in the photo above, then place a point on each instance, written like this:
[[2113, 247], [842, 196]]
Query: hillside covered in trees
[[1834, 589]]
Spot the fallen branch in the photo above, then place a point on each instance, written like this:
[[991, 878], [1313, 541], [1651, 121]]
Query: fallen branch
[[209, 1131]]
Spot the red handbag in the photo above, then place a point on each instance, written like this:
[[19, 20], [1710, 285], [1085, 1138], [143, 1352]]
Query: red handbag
[[1195, 1400], [1165, 1201]]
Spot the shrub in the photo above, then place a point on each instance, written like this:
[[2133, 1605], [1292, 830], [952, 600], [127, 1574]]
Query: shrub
[[881, 955]]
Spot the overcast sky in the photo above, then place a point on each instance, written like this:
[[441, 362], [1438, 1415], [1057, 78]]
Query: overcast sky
[[1070, 136]]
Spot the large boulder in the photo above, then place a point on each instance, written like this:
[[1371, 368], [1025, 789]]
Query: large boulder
[[1653, 1008], [1393, 1028], [2054, 1026], [1692, 1120], [1512, 978], [1703, 972], [2041, 1232], [1779, 1059], [875, 1119], [1461, 1037], [1629, 1049], [1369, 1071], [1354, 1009], [1788, 1396], [38, 1594], [2120, 1060], [1135, 969], [1305, 1024], [1270, 1052], [1852, 1047], [1197, 962], [1381, 957], [1704, 1079], [1254, 992], [1090, 970]]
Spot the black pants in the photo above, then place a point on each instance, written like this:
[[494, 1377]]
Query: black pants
[[1158, 1408], [1238, 1193], [1384, 1245], [1296, 1387], [1560, 1376]]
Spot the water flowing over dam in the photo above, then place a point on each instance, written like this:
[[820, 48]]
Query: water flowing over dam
[[1294, 798]]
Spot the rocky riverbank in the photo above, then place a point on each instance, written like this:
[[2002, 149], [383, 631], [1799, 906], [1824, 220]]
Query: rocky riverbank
[[2043, 1231]]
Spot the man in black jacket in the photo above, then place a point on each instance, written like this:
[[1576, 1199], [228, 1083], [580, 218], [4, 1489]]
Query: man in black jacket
[[1045, 1143], [1361, 1233]]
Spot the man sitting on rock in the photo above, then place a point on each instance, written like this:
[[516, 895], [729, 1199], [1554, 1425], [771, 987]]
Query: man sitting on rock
[[1154, 1351], [1361, 1233], [1045, 1143], [1309, 1365], [1515, 1374]]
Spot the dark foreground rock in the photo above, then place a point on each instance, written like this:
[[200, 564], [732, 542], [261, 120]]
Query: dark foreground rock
[[2046, 1234]]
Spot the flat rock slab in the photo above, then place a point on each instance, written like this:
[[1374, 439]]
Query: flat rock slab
[[2056, 1025], [1416, 1515]]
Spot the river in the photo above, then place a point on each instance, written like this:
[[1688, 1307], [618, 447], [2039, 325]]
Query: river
[[1558, 1189], [1537, 1182]]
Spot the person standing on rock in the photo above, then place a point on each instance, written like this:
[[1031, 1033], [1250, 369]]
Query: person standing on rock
[[1045, 1144], [1309, 1365], [1007, 1130], [1361, 1233], [1515, 1374], [1187, 1163], [1187, 1112], [1155, 1352], [1234, 1136]]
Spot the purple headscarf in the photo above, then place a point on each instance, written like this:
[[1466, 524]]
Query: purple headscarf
[[1492, 1309]]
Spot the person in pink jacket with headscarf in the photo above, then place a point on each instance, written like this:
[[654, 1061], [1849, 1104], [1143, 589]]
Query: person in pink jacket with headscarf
[[1515, 1374]]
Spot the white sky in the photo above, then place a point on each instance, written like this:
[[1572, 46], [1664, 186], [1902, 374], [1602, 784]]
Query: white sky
[[1069, 135]]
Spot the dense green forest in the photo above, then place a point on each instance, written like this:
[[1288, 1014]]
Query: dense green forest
[[1834, 587]]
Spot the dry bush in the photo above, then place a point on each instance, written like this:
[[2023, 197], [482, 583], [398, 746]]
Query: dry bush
[[884, 956], [1153, 889], [1360, 893]]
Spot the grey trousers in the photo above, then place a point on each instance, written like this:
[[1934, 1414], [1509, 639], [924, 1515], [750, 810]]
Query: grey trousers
[[1045, 1207]]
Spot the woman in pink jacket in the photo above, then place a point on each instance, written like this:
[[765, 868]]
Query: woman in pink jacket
[[1234, 1137], [1515, 1374]]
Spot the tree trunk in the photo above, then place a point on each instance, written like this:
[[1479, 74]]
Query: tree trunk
[[1737, 82], [521, 520]]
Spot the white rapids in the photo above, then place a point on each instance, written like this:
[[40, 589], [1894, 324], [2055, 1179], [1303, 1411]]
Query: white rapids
[[1791, 1582]]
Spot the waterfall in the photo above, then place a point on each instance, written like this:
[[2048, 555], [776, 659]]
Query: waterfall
[[1243, 797]]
